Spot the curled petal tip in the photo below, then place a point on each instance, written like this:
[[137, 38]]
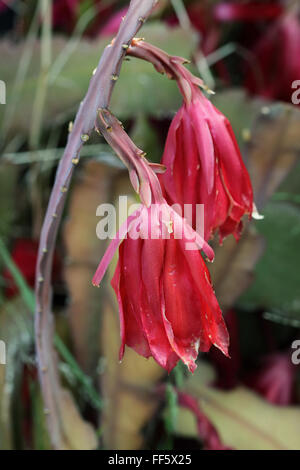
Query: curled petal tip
[[223, 346], [191, 366], [209, 252]]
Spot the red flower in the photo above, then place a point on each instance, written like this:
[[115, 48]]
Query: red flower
[[167, 305], [204, 164]]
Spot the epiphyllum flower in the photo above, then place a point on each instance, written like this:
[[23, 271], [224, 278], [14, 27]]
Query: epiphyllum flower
[[204, 164], [203, 161], [167, 305]]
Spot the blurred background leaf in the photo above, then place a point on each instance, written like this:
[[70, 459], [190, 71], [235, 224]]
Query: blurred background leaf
[[140, 88], [244, 420]]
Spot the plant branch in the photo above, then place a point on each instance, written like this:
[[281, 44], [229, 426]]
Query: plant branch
[[98, 96]]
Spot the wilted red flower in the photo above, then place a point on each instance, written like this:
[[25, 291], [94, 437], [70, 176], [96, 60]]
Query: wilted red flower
[[203, 161], [167, 305], [204, 164]]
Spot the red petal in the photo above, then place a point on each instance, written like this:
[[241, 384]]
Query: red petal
[[128, 292], [152, 315]]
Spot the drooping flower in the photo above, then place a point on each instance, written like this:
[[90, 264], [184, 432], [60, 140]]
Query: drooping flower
[[204, 164], [167, 305], [202, 157]]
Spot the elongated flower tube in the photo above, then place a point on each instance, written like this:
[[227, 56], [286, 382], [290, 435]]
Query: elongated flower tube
[[168, 309], [203, 161]]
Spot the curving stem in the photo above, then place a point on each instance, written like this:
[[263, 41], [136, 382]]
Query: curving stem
[[98, 96]]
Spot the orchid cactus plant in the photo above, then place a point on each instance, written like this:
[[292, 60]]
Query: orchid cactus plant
[[167, 304]]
